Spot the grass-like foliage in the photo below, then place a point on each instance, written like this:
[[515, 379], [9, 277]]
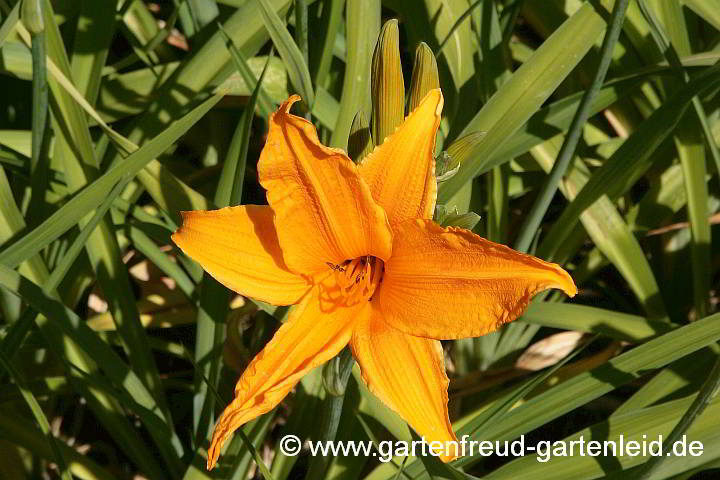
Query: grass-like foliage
[[583, 132]]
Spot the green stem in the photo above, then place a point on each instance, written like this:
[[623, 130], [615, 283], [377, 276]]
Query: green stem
[[333, 405], [455, 26]]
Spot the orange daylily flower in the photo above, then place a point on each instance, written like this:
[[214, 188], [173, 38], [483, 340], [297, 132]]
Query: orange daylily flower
[[355, 248]]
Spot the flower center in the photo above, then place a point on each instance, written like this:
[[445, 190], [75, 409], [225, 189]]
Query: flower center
[[358, 278]]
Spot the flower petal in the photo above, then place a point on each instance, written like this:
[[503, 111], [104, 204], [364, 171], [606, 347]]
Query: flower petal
[[313, 334], [401, 171], [239, 247], [324, 211], [408, 374], [450, 283]]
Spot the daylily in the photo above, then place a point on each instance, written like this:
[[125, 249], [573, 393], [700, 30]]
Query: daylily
[[355, 248]]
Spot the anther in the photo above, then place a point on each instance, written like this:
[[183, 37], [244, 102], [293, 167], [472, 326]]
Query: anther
[[358, 278]]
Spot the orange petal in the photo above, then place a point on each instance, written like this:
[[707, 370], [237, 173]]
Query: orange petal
[[239, 247], [408, 374], [450, 283], [313, 334], [324, 211], [401, 171]]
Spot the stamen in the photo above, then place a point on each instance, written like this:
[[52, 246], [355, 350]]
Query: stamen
[[358, 278], [335, 268], [367, 276]]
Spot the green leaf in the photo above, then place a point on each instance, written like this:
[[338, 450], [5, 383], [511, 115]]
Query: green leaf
[[647, 425], [609, 232], [68, 325], [631, 160], [621, 326], [587, 386], [91, 196], [32, 439], [264, 103], [9, 22], [11, 343], [214, 297], [526, 90], [38, 414], [706, 11], [565, 153], [289, 51], [690, 147], [361, 37]]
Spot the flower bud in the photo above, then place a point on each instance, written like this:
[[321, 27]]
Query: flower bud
[[360, 142], [424, 76], [337, 371], [387, 84], [31, 14]]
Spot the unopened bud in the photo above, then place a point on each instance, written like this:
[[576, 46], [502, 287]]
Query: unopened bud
[[360, 142], [31, 14], [424, 76], [337, 372], [387, 84]]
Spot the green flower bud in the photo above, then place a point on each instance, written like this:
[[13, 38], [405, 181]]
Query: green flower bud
[[387, 84], [360, 142], [31, 14], [337, 371], [424, 76]]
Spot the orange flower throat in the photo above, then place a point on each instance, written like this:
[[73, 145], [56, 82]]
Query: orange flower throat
[[358, 278]]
